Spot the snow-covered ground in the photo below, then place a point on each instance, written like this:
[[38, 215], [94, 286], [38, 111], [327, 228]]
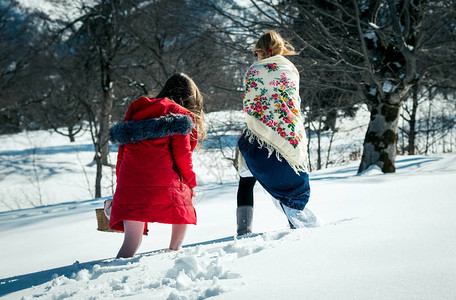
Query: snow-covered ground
[[382, 236]]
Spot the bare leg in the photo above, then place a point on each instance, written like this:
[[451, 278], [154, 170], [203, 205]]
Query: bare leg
[[177, 236], [132, 238]]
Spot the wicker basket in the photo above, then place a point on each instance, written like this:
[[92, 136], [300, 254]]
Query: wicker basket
[[103, 222]]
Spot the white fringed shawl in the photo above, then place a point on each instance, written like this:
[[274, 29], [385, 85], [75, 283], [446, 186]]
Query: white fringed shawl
[[272, 110]]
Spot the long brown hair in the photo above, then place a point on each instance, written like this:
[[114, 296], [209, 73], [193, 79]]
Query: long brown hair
[[271, 43], [181, 89]]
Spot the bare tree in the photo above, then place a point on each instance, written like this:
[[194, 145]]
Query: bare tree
[[437, 60], [18, 50], [367, 50], [85, 71], [409, 114], [182, 36]]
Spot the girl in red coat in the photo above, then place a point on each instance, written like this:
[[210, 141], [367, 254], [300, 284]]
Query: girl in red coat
[[155, 177]]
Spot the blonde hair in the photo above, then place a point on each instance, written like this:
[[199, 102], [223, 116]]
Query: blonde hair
[[271, 43]]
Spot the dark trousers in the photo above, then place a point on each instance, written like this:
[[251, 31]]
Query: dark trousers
[[245, 191]]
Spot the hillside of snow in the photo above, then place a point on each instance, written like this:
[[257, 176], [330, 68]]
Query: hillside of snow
[[382, 237], [43, 168]]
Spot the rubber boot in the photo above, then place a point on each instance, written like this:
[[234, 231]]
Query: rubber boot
[[244, 216]]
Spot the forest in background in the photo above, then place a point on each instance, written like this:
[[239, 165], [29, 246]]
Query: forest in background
[[81, 70]]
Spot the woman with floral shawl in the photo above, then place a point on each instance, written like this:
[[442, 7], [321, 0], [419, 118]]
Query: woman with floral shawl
[[273, 145]]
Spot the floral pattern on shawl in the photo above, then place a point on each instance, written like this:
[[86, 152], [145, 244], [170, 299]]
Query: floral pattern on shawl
[[274, 106]]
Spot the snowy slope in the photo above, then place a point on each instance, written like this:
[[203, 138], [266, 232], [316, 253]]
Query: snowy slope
[[43, 168], [383, 237]]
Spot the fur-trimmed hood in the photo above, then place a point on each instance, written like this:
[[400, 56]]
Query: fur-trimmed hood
[[155, 128]]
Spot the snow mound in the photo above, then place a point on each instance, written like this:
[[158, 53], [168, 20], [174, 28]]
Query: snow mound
[[372, 170], [196, 272]]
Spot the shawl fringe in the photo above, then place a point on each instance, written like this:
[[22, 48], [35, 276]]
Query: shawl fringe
[[252, 137], [155, 128]]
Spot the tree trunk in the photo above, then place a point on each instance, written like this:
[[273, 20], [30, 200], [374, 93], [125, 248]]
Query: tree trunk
[[105, 110], [71, 134], [318, 131], [99, 174], [428, 128], [105, 121], [333, 133], [309, 135], [381, 138], [412, 122], [102, 153]]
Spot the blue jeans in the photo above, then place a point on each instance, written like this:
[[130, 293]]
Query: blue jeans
[[276, 177]]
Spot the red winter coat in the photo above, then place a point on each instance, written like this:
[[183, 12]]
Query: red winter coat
[[155, 177]]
